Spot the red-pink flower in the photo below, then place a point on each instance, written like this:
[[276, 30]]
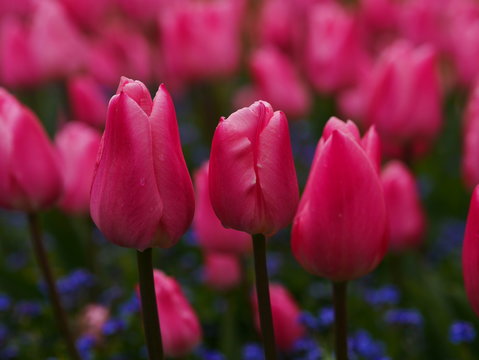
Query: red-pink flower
[[77, 145], [278, 82], [406, 216], [340, 228], [211, 234], [285, 311], [30, 178], [252, 178], [142, 195], [470, 144], [470, 253], [180, 328], [222, 271]]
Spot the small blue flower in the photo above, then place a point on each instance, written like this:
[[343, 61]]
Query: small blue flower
[[3, 334], [5, 302], [27, 309], [85, 345], [274, 263], [404, 317], [9, 352], [306, 349], [308, 320], [461, 332], [129, 307], [362, 344], [113, 326], [386, 295], [252, 351], [207, 354], [326, 317]]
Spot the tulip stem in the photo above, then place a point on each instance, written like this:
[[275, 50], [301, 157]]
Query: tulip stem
[[149, 309], [340, 320], [262, 293], [42, 259]]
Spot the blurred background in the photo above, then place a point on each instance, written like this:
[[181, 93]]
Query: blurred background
[[407, 66]]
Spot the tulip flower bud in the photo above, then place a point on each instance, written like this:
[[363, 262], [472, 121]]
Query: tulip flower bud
[[213, 236], [30, 179], [285, 311], [406, 216], [340, 231], [179, 325], [252, 179], [470, 253], [222, 271], [142, 195], [77, 145], [87, 101], [278, 82], [470, 144], [92, 319]]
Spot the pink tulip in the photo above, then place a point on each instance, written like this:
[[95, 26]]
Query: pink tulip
[[470, 163], [200, 39], [379, 14], [222, 271], [252, 179], [340, 228], [89, 14], [88, 102], [211, 235], [92, 319], [77, 145], [179, 325], [285, 311], [56, 43], [142, 195], [470, 253], [278, 81], [17, 7], [403, 98], [406, 216], [30, 179], [333, 53], [142, 10], [18, 65]]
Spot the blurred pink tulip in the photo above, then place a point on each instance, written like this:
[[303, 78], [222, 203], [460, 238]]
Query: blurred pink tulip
[[87, 100], [18, 65], [78, 146], [470, 253], [92, 319], [222, 271], [17, 7], [200, 39], [212, 236], [340, 228], [180, 327], [277, 81], [57, 44], [403, 98], [30, 179], [285, 311], [142, 195], [379, 15], [252, 178], [333, 48], [470, 144], [89, 14], [406, 216], [142, 10]]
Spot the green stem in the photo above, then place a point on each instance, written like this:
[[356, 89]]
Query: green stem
[[59, 313], [340, 320], [262, 293], [228, 328], [149, 309]]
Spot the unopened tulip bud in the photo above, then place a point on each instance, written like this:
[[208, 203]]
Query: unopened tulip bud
[[252, 178], [142, 195], [87, 101], [222, 271]]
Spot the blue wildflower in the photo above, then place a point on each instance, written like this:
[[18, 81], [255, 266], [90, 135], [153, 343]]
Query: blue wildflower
[[252, 351], [326, 317], [129, 307], [386, 295], [363, 345], [274, 263], [461, 332], [113, 326], [5, 302], [85, 345], [306, 349], [207, 354], [27, 309], [404, 317], [309, 320]]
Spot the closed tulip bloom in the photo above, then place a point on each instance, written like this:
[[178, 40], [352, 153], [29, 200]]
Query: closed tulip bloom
[[77, 145], [222, 271], [285, 311], [406, 216], [470, 143], [278, 81], [211, 234], [142, 195], [179, 325], [87, 100], [30, 178], [340, 228], [252, 178], [470, 253]]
